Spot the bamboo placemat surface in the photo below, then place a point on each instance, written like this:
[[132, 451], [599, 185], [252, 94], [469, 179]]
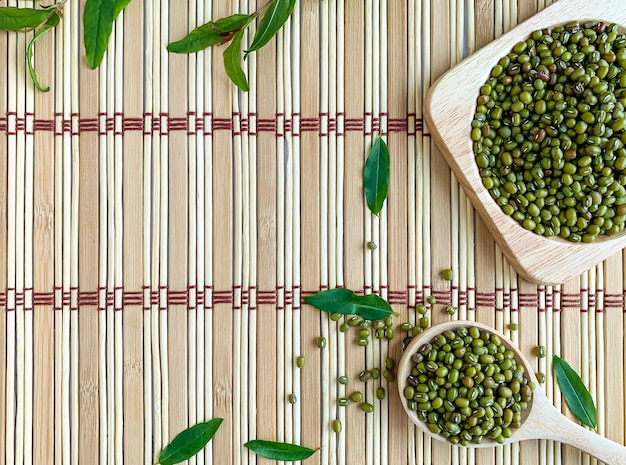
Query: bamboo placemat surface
[[159, 229]]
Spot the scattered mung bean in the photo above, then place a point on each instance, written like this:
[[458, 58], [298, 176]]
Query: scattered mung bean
[[367, 407], [389, 376], [406, 327], [300, 361], [321, 342], [343, 401], [421, 309], [447, 274], [540, 351], [337, 427], [356, 396]]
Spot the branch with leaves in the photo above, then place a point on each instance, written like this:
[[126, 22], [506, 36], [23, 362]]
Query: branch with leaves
[[28, 20], [98, 19], [231, 29]]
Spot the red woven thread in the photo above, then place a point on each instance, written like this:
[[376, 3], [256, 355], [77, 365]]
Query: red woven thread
[[164, 124], [253, 297], [485, 299]]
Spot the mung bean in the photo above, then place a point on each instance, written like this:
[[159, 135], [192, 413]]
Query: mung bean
[[448, 274], [552, 117], [471, 388], [540, 351], [367, 407], [356, 396], [337, 427]]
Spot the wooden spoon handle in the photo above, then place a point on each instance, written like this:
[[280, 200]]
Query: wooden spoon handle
[[566, 431]]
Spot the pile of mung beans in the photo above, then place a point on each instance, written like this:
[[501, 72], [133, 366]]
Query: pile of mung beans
[[466, 386], [549, 131]]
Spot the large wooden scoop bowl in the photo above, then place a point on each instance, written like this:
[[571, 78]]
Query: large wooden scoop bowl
[[449, 109], [541, 420]]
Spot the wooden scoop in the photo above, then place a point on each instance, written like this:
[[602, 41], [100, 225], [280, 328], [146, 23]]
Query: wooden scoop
[[541, 420], [449, 110]]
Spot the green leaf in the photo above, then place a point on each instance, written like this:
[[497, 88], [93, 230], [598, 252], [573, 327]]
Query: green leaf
[[17, 19], [232, 64], [98, 24], [346, 302], [575, 393], [274, 18], [376, 176], [189, 442], [118, 7], [210, 34], [52, 22], [279, 450]]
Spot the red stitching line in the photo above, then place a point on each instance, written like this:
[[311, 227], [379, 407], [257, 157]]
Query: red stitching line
[[164, 123], [251, 296]]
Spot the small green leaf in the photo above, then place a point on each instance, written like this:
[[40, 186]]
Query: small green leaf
[[98, 24], [346, 302], [274, 18], [575, 393], [210, 34], [189, 442], [118, 7], [52, 22], [376, 176], [233, 65], [17, 19], [279, 450]]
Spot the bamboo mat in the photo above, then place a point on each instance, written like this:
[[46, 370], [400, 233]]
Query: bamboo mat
[[159, 229]]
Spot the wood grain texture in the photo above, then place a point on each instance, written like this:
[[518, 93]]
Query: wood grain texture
[[133, 259], [268, 164], [3, 239], [354, 242], [310, 211], [449, 113], [397, 206]]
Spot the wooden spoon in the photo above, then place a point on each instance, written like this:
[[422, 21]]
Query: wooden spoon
[[448, 111], [541, 420]]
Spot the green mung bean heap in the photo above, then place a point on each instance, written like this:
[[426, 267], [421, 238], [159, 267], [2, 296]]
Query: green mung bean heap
[[467, 386], [550, 128]]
